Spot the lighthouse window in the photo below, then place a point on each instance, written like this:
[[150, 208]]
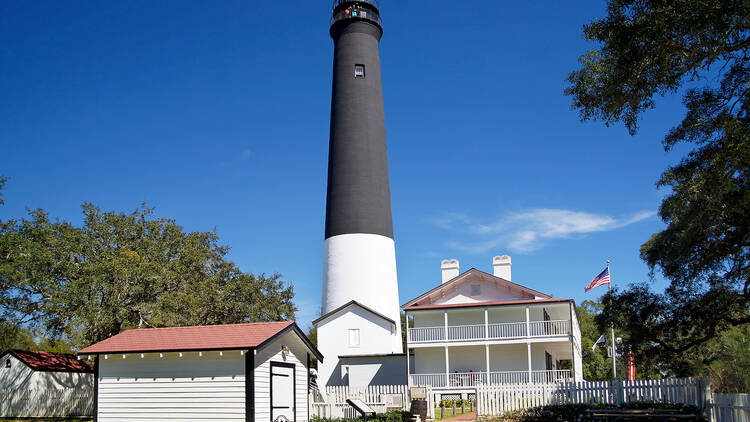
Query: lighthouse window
[[354, 337], [359, 71], [7, 363]]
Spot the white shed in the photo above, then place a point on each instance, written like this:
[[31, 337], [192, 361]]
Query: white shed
[[38, 371], [256, 372]]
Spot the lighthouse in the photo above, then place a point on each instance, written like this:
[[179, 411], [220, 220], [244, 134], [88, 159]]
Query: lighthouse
[[360, 320]]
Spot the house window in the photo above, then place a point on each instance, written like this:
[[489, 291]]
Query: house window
[[7, 363], [354, 337], [359, 71], [476, 290]]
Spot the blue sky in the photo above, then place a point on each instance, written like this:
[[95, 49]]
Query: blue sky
[[217, 114]]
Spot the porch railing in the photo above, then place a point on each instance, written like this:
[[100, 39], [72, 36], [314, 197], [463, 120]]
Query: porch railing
[[507, 330], [426, 334], [549, 328], [494, 331], [471, 379], [509, 377], [465, 332]]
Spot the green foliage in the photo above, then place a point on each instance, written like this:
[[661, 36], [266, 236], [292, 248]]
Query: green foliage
[[648, 48], [3, 181], [596, 365], [118, 271], [578, 412], [312, 334], [14, 337]]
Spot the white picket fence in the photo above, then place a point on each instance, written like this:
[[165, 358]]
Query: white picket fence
[[730, 408], [496, 400], [46, 404], [337, 407]]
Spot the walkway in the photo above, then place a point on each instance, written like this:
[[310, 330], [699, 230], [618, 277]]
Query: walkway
[[465, 417]]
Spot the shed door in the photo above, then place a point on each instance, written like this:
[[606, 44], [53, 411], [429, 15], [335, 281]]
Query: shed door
[[282, 392]]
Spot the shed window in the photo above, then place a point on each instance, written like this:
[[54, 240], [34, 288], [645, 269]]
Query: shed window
[[354, 337], [359, 71], [7, 363], [476, 290]]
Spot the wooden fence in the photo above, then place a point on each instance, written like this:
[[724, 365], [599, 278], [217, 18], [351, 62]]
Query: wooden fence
[[730, 408], [49, 404], [374, 395], [496, 400]]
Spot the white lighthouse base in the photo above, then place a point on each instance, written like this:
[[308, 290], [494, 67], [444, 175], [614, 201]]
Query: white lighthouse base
[[358, 267]]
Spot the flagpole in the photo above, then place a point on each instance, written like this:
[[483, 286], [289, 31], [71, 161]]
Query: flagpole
[[614, 347]]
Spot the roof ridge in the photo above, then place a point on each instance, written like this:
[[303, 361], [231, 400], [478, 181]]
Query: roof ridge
[[40, 351], [209, 325]]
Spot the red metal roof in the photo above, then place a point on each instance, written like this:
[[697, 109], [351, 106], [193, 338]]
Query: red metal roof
[[472, 304], [205, 337], [48, 361]]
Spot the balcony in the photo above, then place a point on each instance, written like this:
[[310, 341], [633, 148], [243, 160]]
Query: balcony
[[472, 379], [508, 330]]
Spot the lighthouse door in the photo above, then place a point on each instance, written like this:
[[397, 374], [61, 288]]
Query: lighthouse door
[[282, 392]]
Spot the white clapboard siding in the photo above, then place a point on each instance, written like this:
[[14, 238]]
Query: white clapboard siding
[[272, 352], [495, 400], [51, 403], [189, 388]]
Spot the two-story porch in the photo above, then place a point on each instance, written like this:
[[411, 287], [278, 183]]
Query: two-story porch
[[456, 346]]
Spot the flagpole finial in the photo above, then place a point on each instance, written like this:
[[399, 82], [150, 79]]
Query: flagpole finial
[[608, 262]]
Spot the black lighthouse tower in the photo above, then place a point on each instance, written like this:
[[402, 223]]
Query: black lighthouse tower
[[359, 199], [360, 258]]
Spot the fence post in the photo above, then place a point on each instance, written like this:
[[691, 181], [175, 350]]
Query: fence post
[[707, 398], [617, 393]]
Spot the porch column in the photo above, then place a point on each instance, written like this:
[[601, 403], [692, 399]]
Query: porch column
[[406, 327], [528, 352], [487, 362], [528, 322], [408, 375], [445, 322], [486, 325], [447, 367]]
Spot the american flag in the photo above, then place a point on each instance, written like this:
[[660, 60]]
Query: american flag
[[600, 280]]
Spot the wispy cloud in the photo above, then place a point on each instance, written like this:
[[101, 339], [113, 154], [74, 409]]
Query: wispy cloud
[[529, 230]]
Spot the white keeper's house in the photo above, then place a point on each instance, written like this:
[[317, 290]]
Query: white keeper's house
[[480, 328]]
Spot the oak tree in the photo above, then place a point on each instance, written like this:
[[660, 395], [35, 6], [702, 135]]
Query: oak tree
[[125, 270], [649, 48]]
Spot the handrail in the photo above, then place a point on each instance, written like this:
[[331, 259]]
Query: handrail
[[337, 3], [494, 331], [356, 11], [479, 377]]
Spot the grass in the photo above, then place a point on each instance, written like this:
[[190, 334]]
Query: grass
[[447, 412]]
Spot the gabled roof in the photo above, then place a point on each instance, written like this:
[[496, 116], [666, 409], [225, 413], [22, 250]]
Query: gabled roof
[[197, 338], [465, 276], [492, 303], [354, 303], [49, 361]]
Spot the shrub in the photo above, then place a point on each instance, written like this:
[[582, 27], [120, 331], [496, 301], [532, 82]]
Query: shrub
[[391, 416], [578, 412]]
